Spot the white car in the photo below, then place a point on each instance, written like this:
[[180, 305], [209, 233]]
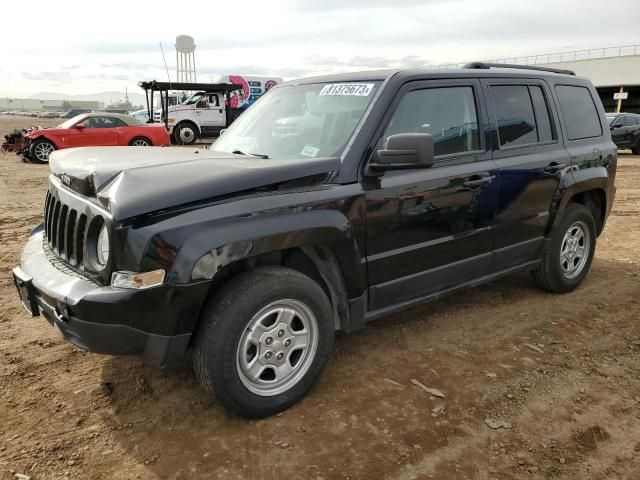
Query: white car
[[140, 115]]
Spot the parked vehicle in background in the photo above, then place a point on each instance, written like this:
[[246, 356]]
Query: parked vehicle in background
[[209, 111], [75, 111], [625, 130], [141, 115], [121, 111], [405, 186], [92, 129], [174, 98]]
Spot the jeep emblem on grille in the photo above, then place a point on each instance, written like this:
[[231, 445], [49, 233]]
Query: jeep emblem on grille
[[65, 179]]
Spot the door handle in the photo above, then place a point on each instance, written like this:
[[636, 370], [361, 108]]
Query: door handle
[[554, 167], [477, 182]]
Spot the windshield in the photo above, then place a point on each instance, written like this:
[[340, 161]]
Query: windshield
[[193, 99], [297, 121], [72, 121]]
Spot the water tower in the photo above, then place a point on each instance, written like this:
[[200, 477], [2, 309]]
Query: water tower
[[185, 58]]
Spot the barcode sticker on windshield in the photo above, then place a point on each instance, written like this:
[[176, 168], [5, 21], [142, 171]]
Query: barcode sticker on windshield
[[355, 89], [310, 151]]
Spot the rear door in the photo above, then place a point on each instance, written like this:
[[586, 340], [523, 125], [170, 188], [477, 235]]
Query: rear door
[[630, 127], [431, 229], [634, 132], [531, 162]]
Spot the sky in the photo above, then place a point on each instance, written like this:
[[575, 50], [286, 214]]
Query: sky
[[84, 47]]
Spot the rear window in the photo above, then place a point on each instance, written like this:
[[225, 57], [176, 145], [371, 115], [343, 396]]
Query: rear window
[[581, 117]]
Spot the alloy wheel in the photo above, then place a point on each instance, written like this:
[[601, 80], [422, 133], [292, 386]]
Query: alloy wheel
[[42, 151]]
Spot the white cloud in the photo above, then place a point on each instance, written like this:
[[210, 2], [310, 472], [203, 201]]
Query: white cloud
[[85, 47]]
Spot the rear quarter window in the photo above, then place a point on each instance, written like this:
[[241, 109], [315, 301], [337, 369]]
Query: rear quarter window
[[581, 119]]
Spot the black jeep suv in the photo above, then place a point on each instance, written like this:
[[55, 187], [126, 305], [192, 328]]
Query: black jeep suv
[[330, 202], [625, 130]]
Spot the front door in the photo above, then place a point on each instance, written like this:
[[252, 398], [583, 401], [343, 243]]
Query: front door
[[531, 161], [619, 131], [431, 229], [97, 131], [210, 111]]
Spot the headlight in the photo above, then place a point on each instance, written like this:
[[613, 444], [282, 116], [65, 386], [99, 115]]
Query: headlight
[[102, 246], [137, 280]]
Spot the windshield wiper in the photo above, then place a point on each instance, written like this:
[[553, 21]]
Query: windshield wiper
[[259, 155]]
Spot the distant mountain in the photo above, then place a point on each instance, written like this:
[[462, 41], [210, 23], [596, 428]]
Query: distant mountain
[[104, 97]]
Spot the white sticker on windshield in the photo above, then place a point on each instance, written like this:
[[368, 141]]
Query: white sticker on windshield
[[310, 151], [355, 89]]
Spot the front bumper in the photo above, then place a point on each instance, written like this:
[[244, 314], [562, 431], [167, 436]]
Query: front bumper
[[155, 323]]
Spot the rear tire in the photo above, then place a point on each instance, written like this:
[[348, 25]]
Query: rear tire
[[40, 150], [263, 341], [185, 133], [569, 253], [140, 142], [636, 148]]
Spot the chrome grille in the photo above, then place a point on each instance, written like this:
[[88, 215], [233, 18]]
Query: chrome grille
[[65, 230]]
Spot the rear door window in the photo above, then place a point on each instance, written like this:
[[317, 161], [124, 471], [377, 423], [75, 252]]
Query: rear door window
[[581, 117], [515, 116], [545, 127]]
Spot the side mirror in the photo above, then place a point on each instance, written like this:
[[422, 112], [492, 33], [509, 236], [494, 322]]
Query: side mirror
[[617, 125], [79, 126], [405, 151]]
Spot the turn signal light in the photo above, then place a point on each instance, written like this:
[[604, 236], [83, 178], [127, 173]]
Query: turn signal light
[[137, 280]]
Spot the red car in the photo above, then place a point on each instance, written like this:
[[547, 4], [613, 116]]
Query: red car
[[92, 130]]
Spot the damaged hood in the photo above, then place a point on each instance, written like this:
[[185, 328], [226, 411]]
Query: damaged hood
[[130, 181]]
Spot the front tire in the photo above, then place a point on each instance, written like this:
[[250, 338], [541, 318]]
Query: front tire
[[40, 150], [569, 253], [263, 341], [636, 148], [185, 133]]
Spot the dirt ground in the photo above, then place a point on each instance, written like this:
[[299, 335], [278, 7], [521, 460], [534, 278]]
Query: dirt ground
[[562, 371]]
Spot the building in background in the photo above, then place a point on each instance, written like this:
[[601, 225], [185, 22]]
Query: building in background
[[37, 105], [615, 72]]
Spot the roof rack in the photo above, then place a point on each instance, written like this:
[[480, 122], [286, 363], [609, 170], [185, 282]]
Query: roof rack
[[486, 66]]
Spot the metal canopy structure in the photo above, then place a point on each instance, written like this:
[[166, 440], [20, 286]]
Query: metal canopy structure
[[163, 89]]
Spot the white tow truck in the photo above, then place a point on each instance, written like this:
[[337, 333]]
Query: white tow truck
[[212, 108]]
